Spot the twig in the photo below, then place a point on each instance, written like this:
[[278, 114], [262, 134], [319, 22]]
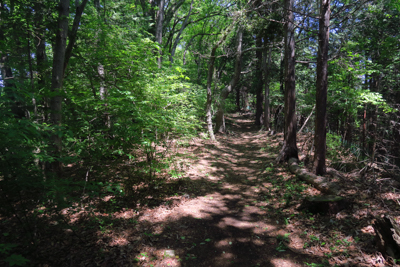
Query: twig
[[86, 180], [301, 129]]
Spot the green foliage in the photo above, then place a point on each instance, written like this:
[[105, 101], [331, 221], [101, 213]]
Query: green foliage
[[324, 264], [11, 258], [333, 143], [16, 260], [282, 242]]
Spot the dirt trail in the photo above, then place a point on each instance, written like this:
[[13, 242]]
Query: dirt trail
[[220, 219], [231, 206]]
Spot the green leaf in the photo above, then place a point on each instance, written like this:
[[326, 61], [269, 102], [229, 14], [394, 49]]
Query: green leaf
[[16, 259]]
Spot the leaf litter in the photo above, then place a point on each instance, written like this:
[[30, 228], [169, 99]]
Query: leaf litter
[[230, 205]]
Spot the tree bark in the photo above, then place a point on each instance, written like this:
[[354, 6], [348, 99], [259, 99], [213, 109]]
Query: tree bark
[[159, 27], [220, 121], [387, 236], [177, 39], [259, 81], [73, 33], [41, 58], [209, 81], [289, 149], [322, 89], [266, 92], [319, 182], [57, 80], [245, 97]]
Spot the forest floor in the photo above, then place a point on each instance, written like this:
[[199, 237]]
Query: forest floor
[[228, 205]]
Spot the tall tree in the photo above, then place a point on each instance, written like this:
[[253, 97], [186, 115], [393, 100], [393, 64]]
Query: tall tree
[[61, 56], [322, 88], [178, 37], [259, 82], [159, 29], [289, 149], [219, 116], [57, 79], [209, 80], [266, 67]]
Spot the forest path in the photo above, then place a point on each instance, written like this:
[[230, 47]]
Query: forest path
[[225, 214]]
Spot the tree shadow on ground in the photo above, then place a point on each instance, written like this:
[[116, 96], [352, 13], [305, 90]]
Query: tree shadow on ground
[[233, 208]]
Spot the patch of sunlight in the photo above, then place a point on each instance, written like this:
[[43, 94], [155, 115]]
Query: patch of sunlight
[[279, 262], [258, 242], [229, 221], [118, 241], [224, 258], [148, 257], [227, 242]]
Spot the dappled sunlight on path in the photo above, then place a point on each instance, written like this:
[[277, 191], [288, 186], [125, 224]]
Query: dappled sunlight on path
[[226, 225]]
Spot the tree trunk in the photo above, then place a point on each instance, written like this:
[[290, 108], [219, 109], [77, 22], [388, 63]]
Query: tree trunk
[[32, 83], [209, 97], [266, 82], [238, 98], [41, 58], [160, 21], [322, 88], [177, 38], [276, 118], [289, 149], [73, 33], [245, 97], [388, 236], [209, 81], [220, 122], [259, 81], [364, 128], [41, 65], [57, 80]]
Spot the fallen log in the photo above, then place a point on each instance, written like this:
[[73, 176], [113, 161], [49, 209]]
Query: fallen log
[[388, 236], [327, 204], [321, 183]]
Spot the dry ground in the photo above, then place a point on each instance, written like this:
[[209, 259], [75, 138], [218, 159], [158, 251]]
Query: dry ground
[[231, 206]]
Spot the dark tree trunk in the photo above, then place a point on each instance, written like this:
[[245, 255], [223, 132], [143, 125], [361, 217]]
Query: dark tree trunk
[[238, 98], [266, 93], [41, 68], [7, 75], [289, 149], [364, 129], [177, 38], [282, 73], [259, 81], [387, 236], [57, 80], [245, 97], [41, 58], [73, 33], [373, 137], [276, 118], [322, 88], [159, 27], [9, 88]]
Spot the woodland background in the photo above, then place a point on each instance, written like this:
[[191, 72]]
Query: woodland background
[[91, 82]]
